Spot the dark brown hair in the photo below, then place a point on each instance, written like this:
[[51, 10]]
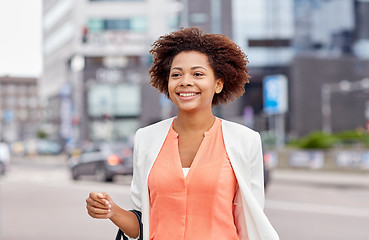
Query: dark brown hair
[[224, 56]]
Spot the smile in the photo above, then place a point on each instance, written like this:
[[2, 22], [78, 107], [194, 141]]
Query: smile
[[187, 94]]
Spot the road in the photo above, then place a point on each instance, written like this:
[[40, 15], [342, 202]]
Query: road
[[39, 201], [319, 205]]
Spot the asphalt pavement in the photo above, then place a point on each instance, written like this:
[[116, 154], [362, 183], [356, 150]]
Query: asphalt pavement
[[338, 179], [285, 175], [301, 204]]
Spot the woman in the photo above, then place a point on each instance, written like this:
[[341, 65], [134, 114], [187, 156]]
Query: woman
[[195, 176]]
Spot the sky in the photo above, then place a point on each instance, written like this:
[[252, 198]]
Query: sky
[[20, 38]]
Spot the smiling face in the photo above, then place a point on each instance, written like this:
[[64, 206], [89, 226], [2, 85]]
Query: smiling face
[[192, 83]]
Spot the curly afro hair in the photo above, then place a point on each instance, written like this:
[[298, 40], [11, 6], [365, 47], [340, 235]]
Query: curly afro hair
[[225, 57]]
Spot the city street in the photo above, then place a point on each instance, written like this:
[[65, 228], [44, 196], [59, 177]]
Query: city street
[[40, 201]]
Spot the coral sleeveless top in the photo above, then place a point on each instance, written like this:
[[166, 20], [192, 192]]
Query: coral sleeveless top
[[199, 206]]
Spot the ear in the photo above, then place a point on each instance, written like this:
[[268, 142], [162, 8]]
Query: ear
[[218, 85]]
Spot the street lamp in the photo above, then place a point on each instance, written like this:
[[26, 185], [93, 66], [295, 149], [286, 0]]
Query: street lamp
[[77, 63], [345, 86], [365, 83], [326, 107]]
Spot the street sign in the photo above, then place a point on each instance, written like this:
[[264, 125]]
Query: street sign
[[8, 116], [275, 94]]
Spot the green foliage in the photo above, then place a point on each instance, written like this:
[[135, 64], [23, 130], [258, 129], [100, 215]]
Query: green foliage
[[41, 134], [353, 137], [320, 140]]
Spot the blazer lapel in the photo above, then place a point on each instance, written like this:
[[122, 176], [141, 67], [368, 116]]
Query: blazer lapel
[[235, 149], [155, 142]]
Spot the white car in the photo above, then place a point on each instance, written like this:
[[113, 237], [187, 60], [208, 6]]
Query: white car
[[4, 157]]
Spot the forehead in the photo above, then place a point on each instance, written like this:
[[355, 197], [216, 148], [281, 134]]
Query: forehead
[[190, 58]]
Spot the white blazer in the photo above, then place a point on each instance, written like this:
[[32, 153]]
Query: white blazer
[[243, 146]]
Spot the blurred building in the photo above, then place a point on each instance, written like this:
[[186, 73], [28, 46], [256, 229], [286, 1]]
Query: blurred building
[[332, 47], [324, 27], [213, 16], [20, 108], [95, 65], [311, 42], [264, 29], [348, 95], [96, 59]]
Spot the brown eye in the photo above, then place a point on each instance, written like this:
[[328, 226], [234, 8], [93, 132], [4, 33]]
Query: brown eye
[[175, 75], [198, 74]]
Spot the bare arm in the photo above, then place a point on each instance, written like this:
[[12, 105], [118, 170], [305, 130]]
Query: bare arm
[[101, 206]]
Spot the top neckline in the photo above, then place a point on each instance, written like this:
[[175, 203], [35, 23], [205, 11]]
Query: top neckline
[[211, 130]]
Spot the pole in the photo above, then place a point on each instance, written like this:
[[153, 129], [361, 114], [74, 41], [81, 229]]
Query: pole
[[216, 16], [326, 108], [184, 14], [280, 130]]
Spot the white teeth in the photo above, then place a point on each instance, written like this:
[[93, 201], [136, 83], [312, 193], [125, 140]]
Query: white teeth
[[187, 94]]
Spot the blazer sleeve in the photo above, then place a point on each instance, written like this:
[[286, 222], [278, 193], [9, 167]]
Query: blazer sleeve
[[136, 184], [257, 172]]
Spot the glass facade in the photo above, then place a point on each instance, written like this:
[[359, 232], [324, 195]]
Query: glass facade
[[116, 0], [137, 24], [121, 100]]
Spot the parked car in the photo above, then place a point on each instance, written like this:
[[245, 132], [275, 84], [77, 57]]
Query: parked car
[[4, 157], [103, 161], [48, 147], [33, 147]]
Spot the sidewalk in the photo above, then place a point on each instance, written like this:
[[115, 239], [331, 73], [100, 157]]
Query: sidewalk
[[47, 160], [341, 179]]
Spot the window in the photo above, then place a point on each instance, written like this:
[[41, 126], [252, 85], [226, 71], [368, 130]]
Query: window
[[11, 89], [121, 100], [32, 102], [138, 24], [22, 101], [10, 102], [22, 89], [116, 0], [174, 22]]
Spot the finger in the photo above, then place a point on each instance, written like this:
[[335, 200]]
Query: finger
[[97, 210], [93, 203], [99, 197], [96, 215], [107, 199]]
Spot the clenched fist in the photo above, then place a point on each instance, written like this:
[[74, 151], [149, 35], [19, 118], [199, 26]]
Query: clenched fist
[[100, 205]]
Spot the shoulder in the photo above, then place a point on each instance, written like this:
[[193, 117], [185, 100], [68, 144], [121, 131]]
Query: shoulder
[[155, 129], [237, 129]]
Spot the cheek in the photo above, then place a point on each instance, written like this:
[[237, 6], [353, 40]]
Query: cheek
[[171, 88]]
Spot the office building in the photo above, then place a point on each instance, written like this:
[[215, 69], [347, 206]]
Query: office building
[[95, 65], [288, 37], [21, 110], [332, 51]]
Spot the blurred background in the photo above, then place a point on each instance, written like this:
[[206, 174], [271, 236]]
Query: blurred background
[[74, 89]]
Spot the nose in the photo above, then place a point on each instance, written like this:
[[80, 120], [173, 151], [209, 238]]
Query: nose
[[186, 80]]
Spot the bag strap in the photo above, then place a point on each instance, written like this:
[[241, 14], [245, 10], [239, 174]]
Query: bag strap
[[120, 233]]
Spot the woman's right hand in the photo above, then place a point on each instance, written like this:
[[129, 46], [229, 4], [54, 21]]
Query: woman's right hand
[[99, 205]]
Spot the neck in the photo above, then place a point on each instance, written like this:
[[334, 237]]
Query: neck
[[194, 122]]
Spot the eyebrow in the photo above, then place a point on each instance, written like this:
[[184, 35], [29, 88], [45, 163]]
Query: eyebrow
[[192, 68]]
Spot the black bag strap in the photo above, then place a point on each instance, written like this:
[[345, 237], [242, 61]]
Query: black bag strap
[[120, 233]]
